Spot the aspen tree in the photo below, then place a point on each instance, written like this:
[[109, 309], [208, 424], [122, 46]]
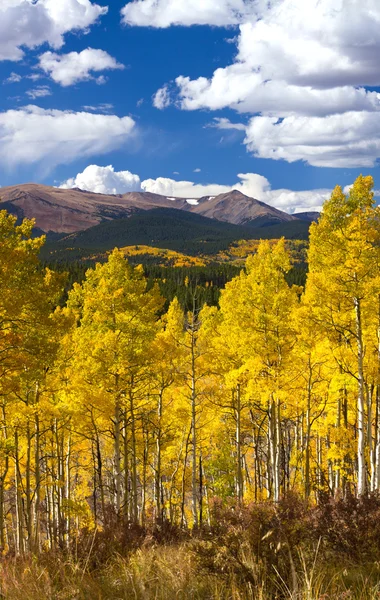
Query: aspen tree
[[344, 260], [117, 323], [261, 321], [164, 373]]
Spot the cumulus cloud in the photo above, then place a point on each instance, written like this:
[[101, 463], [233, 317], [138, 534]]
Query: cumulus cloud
[[181, 189], [319, 43], [239, 88], [348, 140], [311, 61], [250, 184], [163, 13], [67, 69], [31, 134], [106, 180], [161, 99], [26, 23]]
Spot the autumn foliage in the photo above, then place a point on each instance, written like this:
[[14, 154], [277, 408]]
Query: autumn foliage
[[115, 414]]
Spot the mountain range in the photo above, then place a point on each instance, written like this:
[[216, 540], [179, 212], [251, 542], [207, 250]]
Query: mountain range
[[71, 210], [80, 224]]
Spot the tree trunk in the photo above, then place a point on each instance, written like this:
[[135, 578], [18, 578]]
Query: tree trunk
[[117, 456], [239, 470], [135, 508], [158, 460], [362, 475], [194, 435]]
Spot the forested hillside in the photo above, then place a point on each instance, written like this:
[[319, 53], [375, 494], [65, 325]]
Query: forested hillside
[[165, 228], [114, 407]]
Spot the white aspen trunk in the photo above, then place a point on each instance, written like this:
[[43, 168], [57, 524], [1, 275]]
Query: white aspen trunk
[[319, 461], [277, 449], [371, 440], [135, 508], [194, 448], [337, 462], [126, 471], [377, 420], [271, 449], [362, 476], [193, 400], [377, 442], [307, 444], [158, 460], [117, 456], [20, 547], [330, 467], [3, 528], [37, 501], [68, 491], [28, 489], [117, 448], [239, 470]]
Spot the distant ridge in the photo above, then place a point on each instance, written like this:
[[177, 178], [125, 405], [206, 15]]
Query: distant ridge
[[308, 216], [67, 211], [166, 228]]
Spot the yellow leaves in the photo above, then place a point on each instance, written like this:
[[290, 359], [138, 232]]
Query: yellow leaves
[[169, 257]]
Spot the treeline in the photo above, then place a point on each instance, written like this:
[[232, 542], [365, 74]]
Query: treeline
[[175, 282], [115, 409]]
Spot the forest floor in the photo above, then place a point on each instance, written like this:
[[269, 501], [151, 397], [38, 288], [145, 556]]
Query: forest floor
[[263, 552]]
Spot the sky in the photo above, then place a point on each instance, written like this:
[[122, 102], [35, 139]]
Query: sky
[[277, 98]]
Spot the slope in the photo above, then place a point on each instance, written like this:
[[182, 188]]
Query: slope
[[171, 229], [68, 211]]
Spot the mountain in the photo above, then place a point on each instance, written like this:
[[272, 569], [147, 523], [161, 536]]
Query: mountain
[[240, 209], [167, 228], [308, 216], [68, 211]]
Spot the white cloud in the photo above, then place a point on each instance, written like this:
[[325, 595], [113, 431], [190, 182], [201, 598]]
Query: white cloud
[[108, 181], [104, 180], [67, 69], [246, 91], [250, 184], [197, 170], [39, 92], [34, 76], [161, 99], [13, 78], [105, 107], [26, 23], [181, 189], [163, 13], [223, 123], [296, 59], [31, 134], [318, 43], [347, 140], [101, 80]]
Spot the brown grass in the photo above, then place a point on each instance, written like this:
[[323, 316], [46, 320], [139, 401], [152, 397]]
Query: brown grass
[[289, 551]]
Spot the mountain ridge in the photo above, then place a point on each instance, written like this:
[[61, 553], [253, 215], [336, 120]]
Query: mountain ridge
[[61, 210], [165, 228]]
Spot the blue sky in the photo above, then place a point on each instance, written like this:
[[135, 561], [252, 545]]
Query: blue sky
[[284, 93]]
